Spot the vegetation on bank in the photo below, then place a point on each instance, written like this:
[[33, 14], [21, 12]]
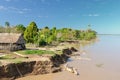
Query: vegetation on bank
[[39, 52], [10, 58], [46, 36], [13, 58]]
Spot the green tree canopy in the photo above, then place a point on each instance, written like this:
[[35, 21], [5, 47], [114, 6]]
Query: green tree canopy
[[7, 24], [31, 32], [20, 28]]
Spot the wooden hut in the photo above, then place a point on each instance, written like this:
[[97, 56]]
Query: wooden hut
[[12, 41]]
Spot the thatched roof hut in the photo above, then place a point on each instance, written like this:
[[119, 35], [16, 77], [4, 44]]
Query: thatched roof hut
[[11, 41]]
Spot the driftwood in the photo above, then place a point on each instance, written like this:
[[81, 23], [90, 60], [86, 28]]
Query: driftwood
[[71, 69], [21, 55], [80, 58]]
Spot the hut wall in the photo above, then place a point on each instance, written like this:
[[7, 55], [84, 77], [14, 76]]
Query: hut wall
[[11, 47], [4, 46]]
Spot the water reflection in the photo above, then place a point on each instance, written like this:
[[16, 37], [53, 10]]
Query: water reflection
[[82, 53], [78, 44], [88, 43]]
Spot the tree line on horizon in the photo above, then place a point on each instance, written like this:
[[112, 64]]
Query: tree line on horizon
[[46, 36]]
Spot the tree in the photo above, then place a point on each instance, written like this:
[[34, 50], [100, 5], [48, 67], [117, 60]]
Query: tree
[[20, 28], [31, 32], [77, 34], [66, 34], [44, 34], [54, 33], [7, 24]]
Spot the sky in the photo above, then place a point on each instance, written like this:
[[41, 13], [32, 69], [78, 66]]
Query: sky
[[102, 15]]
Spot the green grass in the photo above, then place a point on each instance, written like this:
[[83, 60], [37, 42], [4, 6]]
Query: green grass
[[39, 52], [9, 58], [18, 60]]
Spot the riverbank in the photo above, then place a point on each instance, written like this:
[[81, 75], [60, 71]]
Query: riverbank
[[104, 63], [55, 62]]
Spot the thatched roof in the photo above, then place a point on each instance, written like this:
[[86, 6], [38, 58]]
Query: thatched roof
[[11, 38]]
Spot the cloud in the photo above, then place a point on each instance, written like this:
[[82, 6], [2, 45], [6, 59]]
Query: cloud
[[92, 15], [43, 1], [21, 11], [25, 9], [10, 0], [14, 9], [58, 0], [97, 0], [43, 16], [2, 8]]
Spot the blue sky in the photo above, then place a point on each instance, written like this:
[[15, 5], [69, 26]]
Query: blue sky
[[103, 15]]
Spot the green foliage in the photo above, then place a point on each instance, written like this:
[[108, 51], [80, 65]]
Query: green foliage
[[50, 39], [77, 34], [43, 36], [31, 32], [12, 29], [65, 34], [7, 24], [82, 35], [47, 36], [42, 42], [20, 28], [54, 33], [87, 34], [8, 29]]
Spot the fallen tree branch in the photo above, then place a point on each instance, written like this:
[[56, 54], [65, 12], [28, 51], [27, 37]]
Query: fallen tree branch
[[24, 56]]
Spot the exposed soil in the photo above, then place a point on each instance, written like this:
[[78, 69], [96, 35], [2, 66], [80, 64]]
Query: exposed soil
[[34, 65]]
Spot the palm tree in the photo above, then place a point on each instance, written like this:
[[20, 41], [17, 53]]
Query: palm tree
[[7, 25]]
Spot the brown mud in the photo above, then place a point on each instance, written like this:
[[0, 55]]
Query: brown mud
[[12, 71]]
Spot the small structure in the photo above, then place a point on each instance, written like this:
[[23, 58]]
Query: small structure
[[12, 41]]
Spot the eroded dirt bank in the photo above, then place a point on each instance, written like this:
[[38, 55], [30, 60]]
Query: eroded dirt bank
[[51, 65]]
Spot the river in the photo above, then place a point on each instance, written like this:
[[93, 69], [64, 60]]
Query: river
[[103, 63]]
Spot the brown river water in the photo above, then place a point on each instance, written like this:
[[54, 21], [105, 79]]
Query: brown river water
[[102, 62]]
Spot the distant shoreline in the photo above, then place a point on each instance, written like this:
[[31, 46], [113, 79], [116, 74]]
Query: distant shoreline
[[110, 34]]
